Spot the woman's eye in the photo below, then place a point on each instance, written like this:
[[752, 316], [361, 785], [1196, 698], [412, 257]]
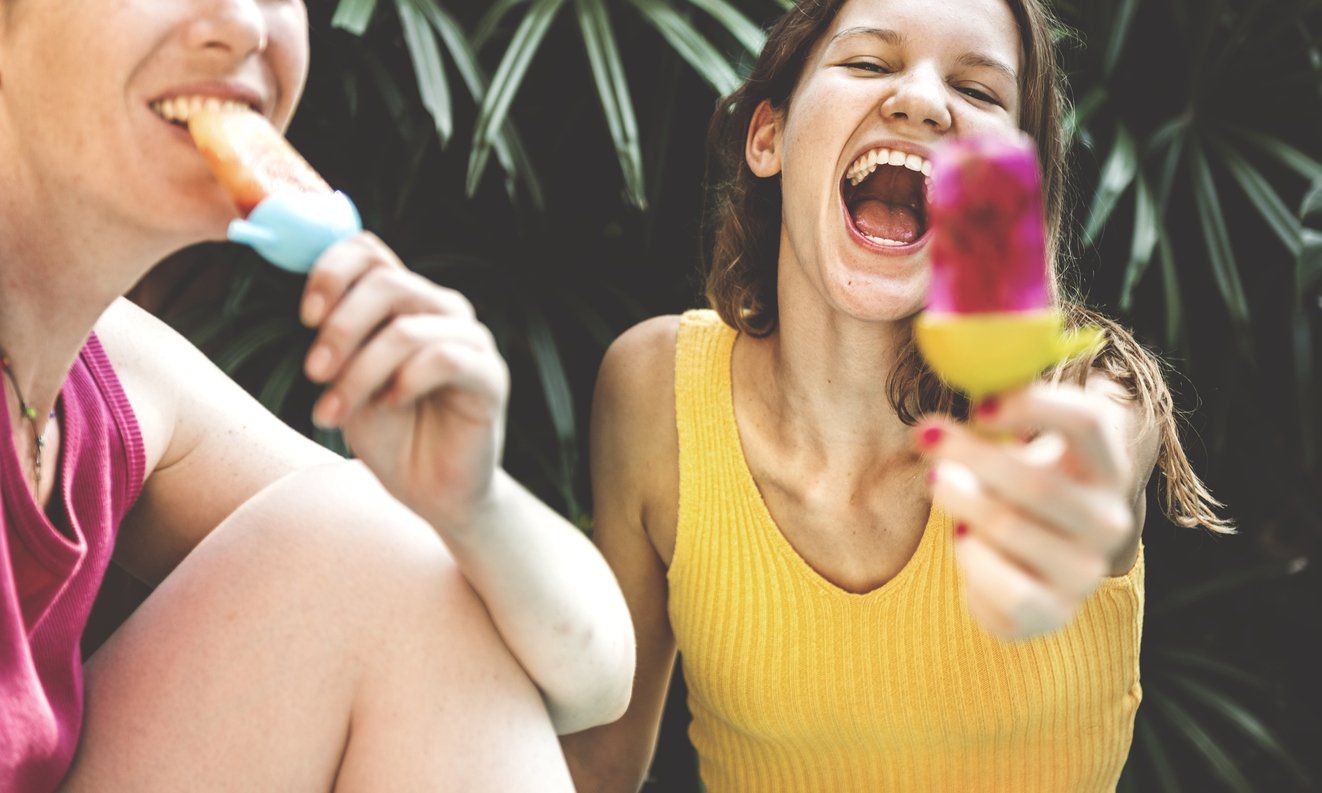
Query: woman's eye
[[868, 66], [976, 94]]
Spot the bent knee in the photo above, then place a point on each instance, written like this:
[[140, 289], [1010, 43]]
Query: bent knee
[[330, 537]]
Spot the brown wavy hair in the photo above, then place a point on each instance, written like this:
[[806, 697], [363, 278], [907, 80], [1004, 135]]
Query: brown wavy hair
[[743, 229]]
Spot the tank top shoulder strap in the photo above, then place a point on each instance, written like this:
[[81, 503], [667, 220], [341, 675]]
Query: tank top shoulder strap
[[707, 451]]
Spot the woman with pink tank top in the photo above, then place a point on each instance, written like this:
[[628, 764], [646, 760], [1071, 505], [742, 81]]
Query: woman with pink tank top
[[411, 620]]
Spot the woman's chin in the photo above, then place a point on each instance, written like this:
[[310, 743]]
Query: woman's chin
[[871, 297]]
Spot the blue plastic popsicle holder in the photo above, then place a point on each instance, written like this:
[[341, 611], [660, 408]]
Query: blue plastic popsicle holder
[[291, 230]]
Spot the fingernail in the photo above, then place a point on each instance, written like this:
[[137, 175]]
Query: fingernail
[[327, 413], [961, 529], [319, 361], [987, 407], [931, 475], [313, 307], [929, 437]]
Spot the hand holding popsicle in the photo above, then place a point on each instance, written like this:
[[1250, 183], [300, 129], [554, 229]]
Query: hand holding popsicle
[[412, 377], [1041, 522]]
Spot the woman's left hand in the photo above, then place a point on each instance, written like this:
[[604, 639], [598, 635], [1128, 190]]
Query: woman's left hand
[[1039, 523], [412, 378]]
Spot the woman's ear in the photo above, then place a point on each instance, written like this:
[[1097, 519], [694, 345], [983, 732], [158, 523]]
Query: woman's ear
[[762, 149]]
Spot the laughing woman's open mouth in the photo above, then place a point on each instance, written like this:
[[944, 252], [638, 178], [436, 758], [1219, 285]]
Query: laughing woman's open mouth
[[884, 194]]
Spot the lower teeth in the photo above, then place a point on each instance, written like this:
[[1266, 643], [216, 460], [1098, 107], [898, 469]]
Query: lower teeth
[[884, 241]]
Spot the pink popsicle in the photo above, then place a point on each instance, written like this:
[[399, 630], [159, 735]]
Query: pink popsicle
[[989, 241]]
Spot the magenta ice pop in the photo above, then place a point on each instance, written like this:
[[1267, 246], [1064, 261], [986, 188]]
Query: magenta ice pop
[[990, 250], [990, 324]]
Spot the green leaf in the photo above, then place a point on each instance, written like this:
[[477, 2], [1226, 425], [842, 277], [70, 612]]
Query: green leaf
[[510, 153], [1083, 110], [744, 30], [1157, 754], [354, 15], [1117, 174], [1119, 35], [1241, 718], [1263, 196], [1213, 224], [505, 84], [1281, 151], [551, 371], [331, 439], [486, 26], [1206, 745], [276, 389], [613, 91], [1195, 594], [1184, 660], [240, 287], [393, 98], [252, 341], [1144, 242], [691, 46], [427, 65], [1170, 284], [1312, 201]]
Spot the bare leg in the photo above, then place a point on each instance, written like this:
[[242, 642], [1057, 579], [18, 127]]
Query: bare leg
[[320, 638]]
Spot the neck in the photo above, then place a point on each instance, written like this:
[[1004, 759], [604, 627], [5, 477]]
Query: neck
[[61, 266], [826, 376]]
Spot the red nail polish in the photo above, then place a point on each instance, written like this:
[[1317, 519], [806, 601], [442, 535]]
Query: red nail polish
[[987, 407], [930, 437], [961, 529]]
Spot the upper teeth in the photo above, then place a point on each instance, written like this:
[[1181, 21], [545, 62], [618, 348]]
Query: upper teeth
[[181, 108], [869, 161]]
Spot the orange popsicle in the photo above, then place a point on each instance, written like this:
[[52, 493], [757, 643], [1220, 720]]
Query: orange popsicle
[[250, 158]]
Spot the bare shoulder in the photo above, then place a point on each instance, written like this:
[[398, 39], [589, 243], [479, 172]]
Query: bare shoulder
[[144, 352], [635, 444], [210, 446]]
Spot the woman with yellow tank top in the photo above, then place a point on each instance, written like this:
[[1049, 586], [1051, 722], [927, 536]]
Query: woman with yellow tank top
[[867, 594]]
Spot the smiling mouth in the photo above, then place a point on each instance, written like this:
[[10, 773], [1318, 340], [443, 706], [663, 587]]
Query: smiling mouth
[[177, 110], [884, 192]]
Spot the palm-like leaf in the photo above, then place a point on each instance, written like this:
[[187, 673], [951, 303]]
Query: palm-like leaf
[[354, 15], [426, 56], [608, 74], [613, 90]]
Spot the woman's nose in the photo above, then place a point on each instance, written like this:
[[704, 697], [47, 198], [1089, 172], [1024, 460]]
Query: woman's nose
[[236, 26], [919, 98]]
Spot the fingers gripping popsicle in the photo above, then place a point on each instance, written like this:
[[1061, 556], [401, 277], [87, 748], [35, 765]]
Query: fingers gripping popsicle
[[289, 214], [990, 324]]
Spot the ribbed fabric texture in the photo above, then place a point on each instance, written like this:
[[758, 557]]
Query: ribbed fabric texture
[[796, 685], [50, 571]]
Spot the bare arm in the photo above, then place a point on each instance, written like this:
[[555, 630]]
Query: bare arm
[[635, 476], [419, 389], [210, 445]]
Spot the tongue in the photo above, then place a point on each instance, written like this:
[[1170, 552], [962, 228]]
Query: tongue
[[876, 218]]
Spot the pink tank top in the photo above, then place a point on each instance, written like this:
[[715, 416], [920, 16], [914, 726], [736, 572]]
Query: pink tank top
[[52, 565]]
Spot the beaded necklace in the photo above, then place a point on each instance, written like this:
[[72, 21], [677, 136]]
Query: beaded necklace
[[29, 413]]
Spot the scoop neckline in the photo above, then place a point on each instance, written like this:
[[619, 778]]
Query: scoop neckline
[[52, 547], [919, 558]]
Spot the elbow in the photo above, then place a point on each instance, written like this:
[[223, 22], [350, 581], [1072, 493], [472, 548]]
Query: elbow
[[597, 688]]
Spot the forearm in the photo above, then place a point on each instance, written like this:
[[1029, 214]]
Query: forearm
[[554, 601]]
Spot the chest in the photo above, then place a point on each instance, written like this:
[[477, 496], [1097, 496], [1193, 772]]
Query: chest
[[855, 541]]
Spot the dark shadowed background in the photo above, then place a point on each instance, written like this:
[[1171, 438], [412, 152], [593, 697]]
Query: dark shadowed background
[[547, 158]]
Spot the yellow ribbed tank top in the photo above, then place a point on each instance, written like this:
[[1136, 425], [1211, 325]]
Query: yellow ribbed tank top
[[797, 686]]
